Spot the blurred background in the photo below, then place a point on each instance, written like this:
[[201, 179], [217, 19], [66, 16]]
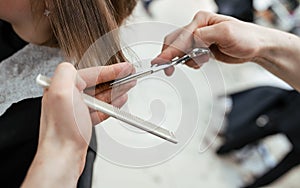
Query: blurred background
[[197, 164]]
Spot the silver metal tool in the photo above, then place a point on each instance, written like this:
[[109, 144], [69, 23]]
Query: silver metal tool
[[197, 52], [118, 114]]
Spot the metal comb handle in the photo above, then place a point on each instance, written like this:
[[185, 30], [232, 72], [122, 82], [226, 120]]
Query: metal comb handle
[[119, 114]]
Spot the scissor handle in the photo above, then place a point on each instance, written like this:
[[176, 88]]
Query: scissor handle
[[196, 52]]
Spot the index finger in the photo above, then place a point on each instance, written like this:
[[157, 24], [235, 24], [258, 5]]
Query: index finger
[[185, 40], [177, 47]]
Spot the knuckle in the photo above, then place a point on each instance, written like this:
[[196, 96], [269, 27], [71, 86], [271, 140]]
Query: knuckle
[[65, 65], [197, 15], [200, 14], [227, 28], [127, 71]]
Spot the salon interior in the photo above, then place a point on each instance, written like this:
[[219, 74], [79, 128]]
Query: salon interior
[[220, 114]]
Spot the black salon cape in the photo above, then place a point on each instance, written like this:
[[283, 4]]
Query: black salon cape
[[280, 110], [19, 128], [242, 10]]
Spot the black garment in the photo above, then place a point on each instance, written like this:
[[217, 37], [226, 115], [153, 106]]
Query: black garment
[[241, 9], [19, 132], [19, 128], [260, 112], [10, 42], [146, 5]]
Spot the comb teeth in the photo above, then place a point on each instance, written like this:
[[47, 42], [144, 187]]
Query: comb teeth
[[130, 119], [147, 126]]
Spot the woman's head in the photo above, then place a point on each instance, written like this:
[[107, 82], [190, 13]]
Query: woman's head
[[74, 25], [19, 14]]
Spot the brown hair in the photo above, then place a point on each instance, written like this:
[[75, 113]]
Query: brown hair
[[122, 9], [77, 24]]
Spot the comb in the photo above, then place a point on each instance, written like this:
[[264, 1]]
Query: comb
[[118, 114]]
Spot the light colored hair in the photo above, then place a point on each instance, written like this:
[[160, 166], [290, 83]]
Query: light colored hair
[[77, 24]]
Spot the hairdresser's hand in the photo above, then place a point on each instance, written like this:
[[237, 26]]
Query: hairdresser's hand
[[66, 124], [229, 39], [116, 96], [65, 132]]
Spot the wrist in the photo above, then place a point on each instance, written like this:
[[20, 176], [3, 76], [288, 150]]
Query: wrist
[[279, 54], [54, 167], [274, 47]]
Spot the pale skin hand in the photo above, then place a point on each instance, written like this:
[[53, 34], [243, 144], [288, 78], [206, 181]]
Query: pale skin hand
[[234, 41], [116, 96], [66, 124]]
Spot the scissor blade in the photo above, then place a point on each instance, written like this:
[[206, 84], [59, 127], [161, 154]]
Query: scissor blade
[[155, 68], [132, 77]]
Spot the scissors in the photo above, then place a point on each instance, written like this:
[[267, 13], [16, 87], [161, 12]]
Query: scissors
[[196, 52]]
